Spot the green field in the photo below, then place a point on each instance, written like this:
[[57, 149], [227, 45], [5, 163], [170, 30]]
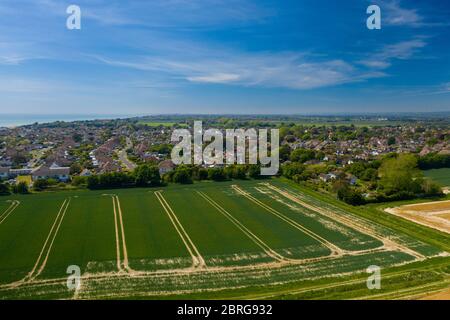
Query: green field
[[441, 176], [161, 124], [225, 239]]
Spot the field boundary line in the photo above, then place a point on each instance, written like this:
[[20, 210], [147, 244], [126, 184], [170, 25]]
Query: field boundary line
[[266, 248], [335, 250], [8, 211], [197, 258], [348, 222], [119, 263], [124, 244]]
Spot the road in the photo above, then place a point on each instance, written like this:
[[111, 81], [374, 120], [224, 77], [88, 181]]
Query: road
[[123, 157]]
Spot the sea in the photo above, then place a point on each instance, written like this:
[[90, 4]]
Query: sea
[[15, 120]]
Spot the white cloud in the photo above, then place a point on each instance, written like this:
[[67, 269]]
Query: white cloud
[[215, 78], [401, 50], [395, 15], [284, 70]]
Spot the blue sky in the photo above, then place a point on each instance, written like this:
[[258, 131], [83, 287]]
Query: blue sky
[[224, 56]]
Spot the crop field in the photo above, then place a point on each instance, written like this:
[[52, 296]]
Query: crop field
[[441, 176], [432, 214], [214, 239]]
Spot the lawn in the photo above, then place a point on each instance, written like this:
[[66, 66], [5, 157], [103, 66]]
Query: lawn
[[441, 176]]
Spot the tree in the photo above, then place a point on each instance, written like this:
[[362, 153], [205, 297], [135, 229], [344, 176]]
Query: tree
[[40, 184], [434, 161], [239, 172], [75, 168], [202, 174], [347, 194], [182, 175], [77, 137], [216, 174], [292, 169], [400, 174], [147, 175], [93, 182], [79, 180], [431, 188], [21, 188], [391, 141], [302, 155], [4, 189], [284, 153], [254, 171]]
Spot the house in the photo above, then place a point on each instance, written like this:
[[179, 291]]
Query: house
[[4, 173], [85, 173], [59, 173], [352, 180], [327, 177], [20, 172], [166, 166]]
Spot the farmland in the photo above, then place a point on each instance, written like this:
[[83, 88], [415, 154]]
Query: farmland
[[242, 239], [432, 214], [441, 176]]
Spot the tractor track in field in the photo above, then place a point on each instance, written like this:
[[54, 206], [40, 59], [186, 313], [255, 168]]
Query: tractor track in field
[[9, 211], [116, 230], [388, 243], [121, 245], [125, 271], [41, 261], [197, 260], [260, 243], [335, 250], [107, 277]]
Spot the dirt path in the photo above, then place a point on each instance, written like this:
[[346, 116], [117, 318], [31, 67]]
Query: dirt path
[[197, 259]]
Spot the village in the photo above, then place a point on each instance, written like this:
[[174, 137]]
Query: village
[[61, 151]]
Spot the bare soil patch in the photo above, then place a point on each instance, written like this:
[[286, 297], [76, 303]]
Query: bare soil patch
[[431, 214]]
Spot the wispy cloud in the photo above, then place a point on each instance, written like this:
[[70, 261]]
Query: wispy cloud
[[164, 13], [284, 70], [402, 50], [396, 15]]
